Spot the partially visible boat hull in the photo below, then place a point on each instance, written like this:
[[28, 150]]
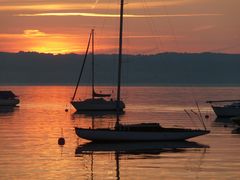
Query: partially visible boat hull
[[236, 120], [9, 102], [226, 111], [97, 105], [114, 135]]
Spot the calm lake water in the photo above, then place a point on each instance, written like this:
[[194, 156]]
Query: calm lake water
[[29, 135]]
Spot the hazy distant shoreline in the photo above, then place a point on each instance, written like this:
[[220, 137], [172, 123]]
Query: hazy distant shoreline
[[165, 69]]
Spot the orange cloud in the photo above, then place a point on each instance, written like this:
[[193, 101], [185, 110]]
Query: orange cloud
[[117, 15], [157, 3], [33, 33], [44, 7], [103, 5]]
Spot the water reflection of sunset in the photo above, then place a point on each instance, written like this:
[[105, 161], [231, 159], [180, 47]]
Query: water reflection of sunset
[[29, 137]]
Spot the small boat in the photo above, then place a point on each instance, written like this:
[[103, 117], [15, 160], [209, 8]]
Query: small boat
[[226, 108], [98, 101], [97, 104], [8, 99], [138, 132]]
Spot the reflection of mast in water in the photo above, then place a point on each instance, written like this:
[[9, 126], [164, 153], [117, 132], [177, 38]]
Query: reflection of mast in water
[[117, 165], [92, 166], [201, 162], [136, 148], [117, 155], [92, 120]]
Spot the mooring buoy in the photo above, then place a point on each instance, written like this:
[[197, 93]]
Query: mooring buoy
[[61, 141]]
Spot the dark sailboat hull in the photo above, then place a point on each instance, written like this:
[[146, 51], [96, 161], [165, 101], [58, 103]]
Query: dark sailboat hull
[[9, 102], [226, 111], [98, 105], [172, 134]]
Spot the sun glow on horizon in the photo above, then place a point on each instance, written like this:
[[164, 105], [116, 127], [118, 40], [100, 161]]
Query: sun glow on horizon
[[34, 40], [37, 41]]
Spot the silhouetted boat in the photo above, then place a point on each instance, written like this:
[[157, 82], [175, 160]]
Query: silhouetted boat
[[98, 101], [138, 132], [231, 109], [8, 98]]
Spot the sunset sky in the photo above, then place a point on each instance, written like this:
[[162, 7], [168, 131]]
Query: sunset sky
[[150, 26]]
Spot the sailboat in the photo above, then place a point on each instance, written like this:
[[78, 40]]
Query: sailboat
[[226, 108], [135, 132], [138, 132], [98, 101], [143, 132]]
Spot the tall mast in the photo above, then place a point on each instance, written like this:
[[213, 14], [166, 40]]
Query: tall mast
[[92, 63], [120, 53]]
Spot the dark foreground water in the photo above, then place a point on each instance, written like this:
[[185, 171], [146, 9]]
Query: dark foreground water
[[29, 135]]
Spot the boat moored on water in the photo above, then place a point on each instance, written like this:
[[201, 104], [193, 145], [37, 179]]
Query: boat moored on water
[[226, 108], [138, 132], [98, 101], [8, 99], [97, 104]]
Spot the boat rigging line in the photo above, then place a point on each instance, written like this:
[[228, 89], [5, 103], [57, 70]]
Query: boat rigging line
[[84, 60], [189, 115]]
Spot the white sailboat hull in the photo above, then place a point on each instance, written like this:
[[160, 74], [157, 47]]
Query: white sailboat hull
[[114, 135], [9, 102], [226, 111], [97, 105]]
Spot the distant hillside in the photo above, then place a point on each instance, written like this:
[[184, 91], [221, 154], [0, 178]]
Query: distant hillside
[[162, 69]]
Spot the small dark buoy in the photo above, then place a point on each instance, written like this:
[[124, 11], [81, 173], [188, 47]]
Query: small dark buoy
[[61, 141], [66, 110], [206, 116]]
